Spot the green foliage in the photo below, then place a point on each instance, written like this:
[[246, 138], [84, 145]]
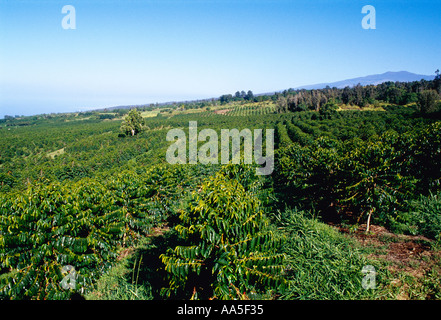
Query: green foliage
[[426, 215], [7, 181], [321, 263], [72, 192], [328, 110], [133, 123], [121, 283], [51, 226], [71, 172], [373, 177], [282, 138], [297, 135], [369, 177], [227, 247], [80, 224], [427, 101]]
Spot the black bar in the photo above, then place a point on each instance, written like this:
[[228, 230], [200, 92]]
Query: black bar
[[215, 309]]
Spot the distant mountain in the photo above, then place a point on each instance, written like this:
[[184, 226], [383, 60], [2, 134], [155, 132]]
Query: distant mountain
[[401, 76]]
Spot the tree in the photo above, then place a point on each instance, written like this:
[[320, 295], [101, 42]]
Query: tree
[[347, 96], [249, 95], [133, 123], [358, 89], [409, 97], [394, 94], [282, 105], [225, 98], [437, 82], [427, 100]]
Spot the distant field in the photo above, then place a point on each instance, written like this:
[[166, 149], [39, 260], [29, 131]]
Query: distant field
[[149, 114]]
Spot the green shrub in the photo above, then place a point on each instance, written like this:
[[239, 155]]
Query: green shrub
[[82, 224], [426, 214], [282, 138], [227, 247], [48, 227], [297, 135]]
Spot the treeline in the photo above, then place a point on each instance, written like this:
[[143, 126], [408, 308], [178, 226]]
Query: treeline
[[423, 92], [238, 96], [400, 93]]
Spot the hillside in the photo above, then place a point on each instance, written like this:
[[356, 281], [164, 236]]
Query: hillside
[[352, 190], [401, 76]]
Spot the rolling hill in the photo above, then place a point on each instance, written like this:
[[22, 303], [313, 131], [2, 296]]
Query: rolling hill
[[401, 76]]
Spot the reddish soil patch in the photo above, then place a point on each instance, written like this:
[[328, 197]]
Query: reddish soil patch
[[403, 254], [397, 248], [158, 231], [124, 253], [223, 111]]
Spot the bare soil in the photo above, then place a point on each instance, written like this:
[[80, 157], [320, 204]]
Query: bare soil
[[404, 255], [223, 111]]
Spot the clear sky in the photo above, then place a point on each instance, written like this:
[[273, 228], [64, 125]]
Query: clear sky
[[126, 52]]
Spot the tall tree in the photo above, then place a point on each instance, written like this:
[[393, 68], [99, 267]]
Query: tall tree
[[437, 82], [282, 105], [133, 123], [225, 98], [427, 101], [249, 95]]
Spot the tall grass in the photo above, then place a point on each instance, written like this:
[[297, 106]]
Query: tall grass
[[322, 263], [121, 283]]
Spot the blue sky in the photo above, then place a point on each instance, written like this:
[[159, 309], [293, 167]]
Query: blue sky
[[136, 52]]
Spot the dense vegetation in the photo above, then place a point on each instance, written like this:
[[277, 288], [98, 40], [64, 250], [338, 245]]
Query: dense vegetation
[[93, 190]]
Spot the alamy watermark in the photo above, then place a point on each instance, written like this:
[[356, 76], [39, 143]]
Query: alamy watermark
[[69, 20], [70, 277], [208, 153], [369, 21], [369, 279]]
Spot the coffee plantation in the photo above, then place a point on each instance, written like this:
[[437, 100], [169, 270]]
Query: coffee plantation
[[76, 192]]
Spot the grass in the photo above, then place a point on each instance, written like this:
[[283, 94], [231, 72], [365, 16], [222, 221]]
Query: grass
[[138, 274], [323, 263], [150, 114], [370, 107], [411, 264], [122, 282]]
